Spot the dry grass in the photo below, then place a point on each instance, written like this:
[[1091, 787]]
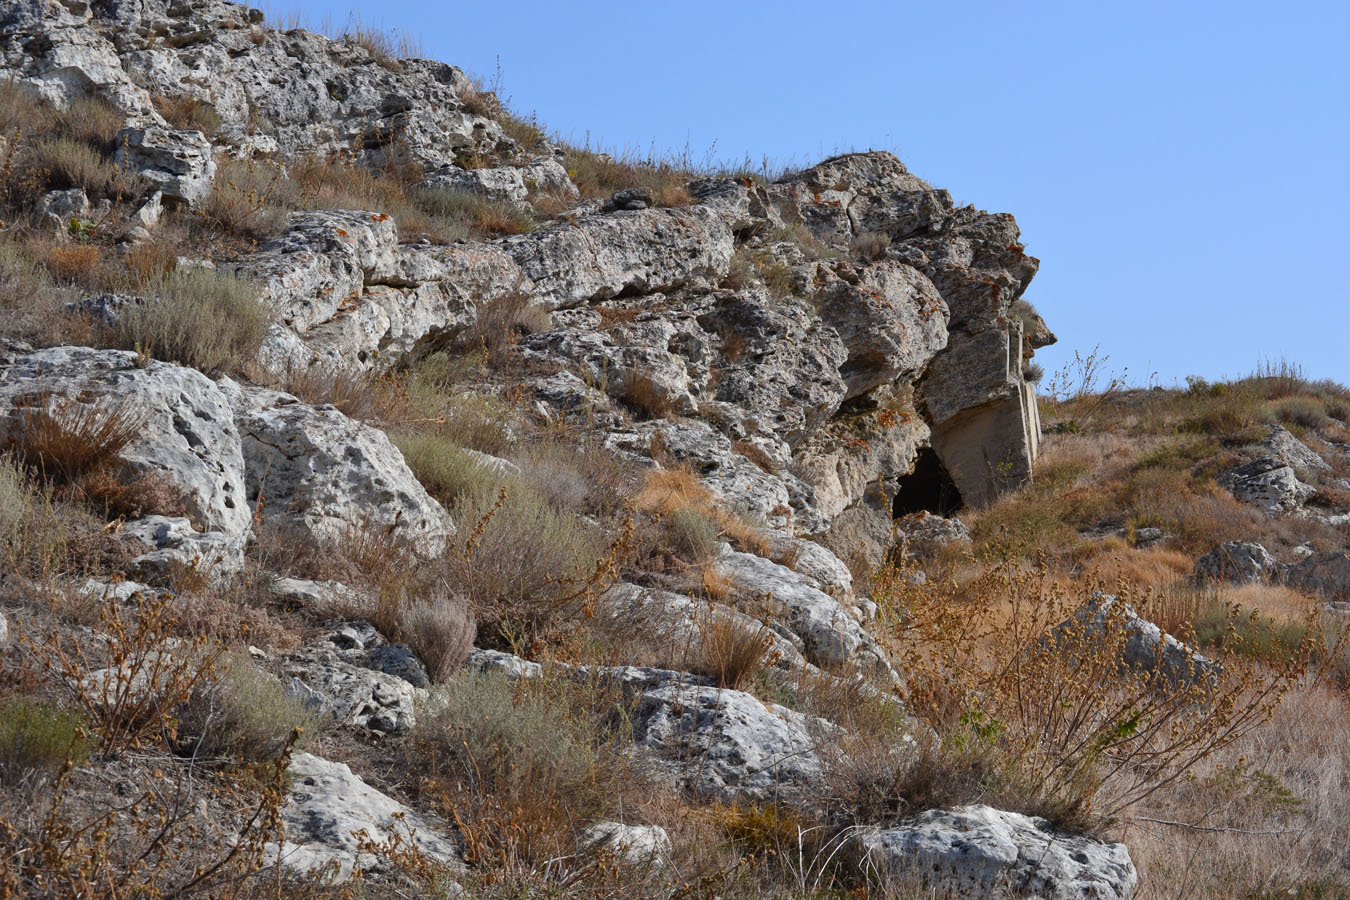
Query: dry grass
[[730, 650], [598, 175], [65, 440], [77, 264]]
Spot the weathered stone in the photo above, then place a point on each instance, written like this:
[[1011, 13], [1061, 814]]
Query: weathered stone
[[729, 745], [351, 694], [922, 533], [178, 163], [184, 427], [631, 845], [634, 252], [1269, 483], [892, 320], [325, 597], [1293, 452], [1146, 648], [56, 209], [177, 551], [399, 660], [495, 662], [1327, 574], [321, 475], [329, 810], [979, 851], [512, 183], [830, 635], [1236, 562]]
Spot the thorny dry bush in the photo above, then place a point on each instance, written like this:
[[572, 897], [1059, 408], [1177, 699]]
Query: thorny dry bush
[[1041, 708]]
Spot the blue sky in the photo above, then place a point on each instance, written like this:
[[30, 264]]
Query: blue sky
[[1179, 168]]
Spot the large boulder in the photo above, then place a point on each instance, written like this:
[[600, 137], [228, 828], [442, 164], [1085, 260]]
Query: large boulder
[[1236, 562], [979, 851], [1327, 574], [1269, 483], [184, 426], [729, 745], [639, 251], [327, 478], [178, 163], [513, 183], [351, 694], [330, 810], [1144, 646]]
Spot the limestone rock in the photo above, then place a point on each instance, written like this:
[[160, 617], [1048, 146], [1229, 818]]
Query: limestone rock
[[979, 851], [324, 597], [1147, 647], [186, 430], [178, 163], [320, 474], [57, 208], [495, 662], [831, 635], [642, 251], [922, 533], [351, 694], [1293, 452], [514, 183], [328, 807], [1269, 483], [728, 744], [892, 320], [176, 550], [1327, 574], [4, 631], [631, 845], [1236, 562]]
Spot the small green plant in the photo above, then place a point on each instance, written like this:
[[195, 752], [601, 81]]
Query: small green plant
[[37, 740], [211, 321], [241, 712]]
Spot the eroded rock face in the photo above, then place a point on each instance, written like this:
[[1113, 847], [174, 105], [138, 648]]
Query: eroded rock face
[[1269, 483], [1236, 562], [351, 694], [322, 475], [1327, 574], [728, 744], [1146, 647], [184, 429], [980, 851], [328, 807]]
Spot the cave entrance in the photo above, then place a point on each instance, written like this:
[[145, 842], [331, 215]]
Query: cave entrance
[[928, 488]]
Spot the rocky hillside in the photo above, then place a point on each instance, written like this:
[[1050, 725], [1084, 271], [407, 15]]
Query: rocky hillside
[[396, 501]]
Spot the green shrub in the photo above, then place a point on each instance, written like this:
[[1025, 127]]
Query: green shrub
[[36, 741], [74, 164], [447, 471], [211, 321], [243, 713], [694, 534], [465, 213], [525, 766]]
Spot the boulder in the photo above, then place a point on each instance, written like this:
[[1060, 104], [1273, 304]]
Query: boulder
[[495, 662], [1236, 562], [329, 809], [979, 851], [351, 694], [1327, 574], [184, 426], [1292, 452], [1269, 483], [1146, 648], [922, 533], [323, 597], [640, 251], [57, 209], [178, 163], [325, 477], [177, 551], [727, 744], [631, 845], [511, 183], [4, 632], [829, 634]]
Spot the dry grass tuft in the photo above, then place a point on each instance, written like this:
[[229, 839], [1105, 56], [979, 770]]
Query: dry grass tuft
[[65, 440]]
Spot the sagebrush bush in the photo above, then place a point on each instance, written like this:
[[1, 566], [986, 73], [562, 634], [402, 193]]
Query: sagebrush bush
[[242, 712], [470, 214], [64, 440], [447, 471], [524, 767], [211, 321], [74, 164], [37, 740], [439, 628]]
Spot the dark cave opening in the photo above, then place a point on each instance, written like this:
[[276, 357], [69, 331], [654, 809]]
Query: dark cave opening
[[928, 488]]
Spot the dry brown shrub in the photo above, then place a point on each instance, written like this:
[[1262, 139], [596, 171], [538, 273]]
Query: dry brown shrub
[[500, 323], [132, 688], [756, 455], [599, 175], [365, 396], [647, 398], [150, 261], [65, 440], [730, 649], [151, 494], [188, 113], [440, 630], [75, 263], [1077, 736]]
